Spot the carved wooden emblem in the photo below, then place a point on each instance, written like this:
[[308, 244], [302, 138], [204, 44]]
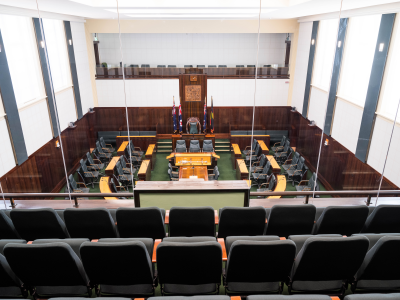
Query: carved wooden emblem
[[193, 93]]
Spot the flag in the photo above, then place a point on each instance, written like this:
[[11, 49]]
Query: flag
[[205, 116], [180, 118], [174, 116], [212, 117]]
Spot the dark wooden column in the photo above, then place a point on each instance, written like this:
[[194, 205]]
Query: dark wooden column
[[287, 54], [96, 52], [192, 93]]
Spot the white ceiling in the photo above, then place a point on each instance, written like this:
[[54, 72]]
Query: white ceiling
[[186, 9]]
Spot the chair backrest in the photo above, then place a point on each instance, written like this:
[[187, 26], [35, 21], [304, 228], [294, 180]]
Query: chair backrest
[[72, 182], [47, 265], [266, 168], [272, 183], [285, 220], [123, 263], [7, 229], [382, 262], [255, 143], [244, 264], [98, 147], [102, 143], [312, 181], [300, 164], [192, 221], [287, 146], [207, 142], [170, 173], [263, 160], [8, 277], [384, 219], [193, 128], [374, 237], [43, 223], [237, 221], [113, 186], [83, 165], [89, 158], [194, 143], [283, 141], [146, 222], [207, 146], [295, 159], [122, 161], [91, 223], [207, 264], [216, 174], [181, 142], [119, 169], [345, 220], [329, 259]]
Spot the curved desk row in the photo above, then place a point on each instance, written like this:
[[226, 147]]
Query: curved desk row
[[105, 187]]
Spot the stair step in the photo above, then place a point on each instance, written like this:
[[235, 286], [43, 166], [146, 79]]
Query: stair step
[[164, 147], [164, 142], [222, 146], [220, 150], [222, 142], [167, 151]]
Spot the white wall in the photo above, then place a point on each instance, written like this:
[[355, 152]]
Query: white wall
[[82, 65], [36, 127], [192, 48], [379, 146], [142, 93], [300, 72], [240, 92], [66, 107], [7, 161], [346, 123], [317, 106]]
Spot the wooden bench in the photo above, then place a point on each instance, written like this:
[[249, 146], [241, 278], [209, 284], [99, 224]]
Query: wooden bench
[[276, 169], [105, 187], [264, 148], [111, 166], [235, 154], [151, 155], [121, 149], [241, 170], [144, 172]]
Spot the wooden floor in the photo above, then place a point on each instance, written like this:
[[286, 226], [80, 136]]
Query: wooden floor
[[321, 202]]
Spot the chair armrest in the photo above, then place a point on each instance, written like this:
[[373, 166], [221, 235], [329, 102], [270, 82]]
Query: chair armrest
[[247, 147], [222, 243], [77, 191], [121, 187], [260, 175], [90, 173], [106, 149], [292, 166], [82, 183], [276, 143], [91, 167], [282, 238], [97, 159], [280, 153], [306, 190], [266, 184], [109, 145], [288, 161], [303, 182], [256, 162], [138, 148], [154, 257]]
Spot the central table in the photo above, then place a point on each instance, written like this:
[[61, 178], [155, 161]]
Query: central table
[[194, 159], [199, 171], [218, 186]]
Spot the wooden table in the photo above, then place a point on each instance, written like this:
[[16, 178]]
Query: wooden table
[[199, 171], [144, 172], [235, 154], [105, 187], [188, 137], [111, 166], [276, 169], [264, 148], [194, 159], [142, 141], [217, 186], [280, 186], [151, 155], [121, 149], [245, 140], [241, 170]]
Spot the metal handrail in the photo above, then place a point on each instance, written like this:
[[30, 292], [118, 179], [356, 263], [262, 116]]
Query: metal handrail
[[307, 194]]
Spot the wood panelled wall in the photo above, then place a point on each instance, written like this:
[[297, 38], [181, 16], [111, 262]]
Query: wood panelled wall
[[43, 172], [339, 169]]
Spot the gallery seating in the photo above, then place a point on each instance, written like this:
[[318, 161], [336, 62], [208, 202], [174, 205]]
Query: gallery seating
[[192, 221]]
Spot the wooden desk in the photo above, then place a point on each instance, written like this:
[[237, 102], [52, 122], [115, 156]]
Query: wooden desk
[[245, 140], [209, 158], [121, 149], [185, 187], [241, 170], [264, 148], [188, 137], [144, 172], [142, 141], [105, 187], [151, 155], [276, 169], [199, 171], [110, 168], [235, 154], [280, 186]]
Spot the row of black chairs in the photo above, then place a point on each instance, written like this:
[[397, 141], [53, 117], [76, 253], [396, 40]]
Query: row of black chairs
[[323, 264], [280, 220], [393, 296], [194, 146]]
